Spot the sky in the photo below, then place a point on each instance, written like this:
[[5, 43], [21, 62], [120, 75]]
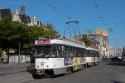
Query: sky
[[91, 14]]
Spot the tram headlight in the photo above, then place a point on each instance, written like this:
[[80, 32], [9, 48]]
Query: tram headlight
[[42, 63], [37, 66]]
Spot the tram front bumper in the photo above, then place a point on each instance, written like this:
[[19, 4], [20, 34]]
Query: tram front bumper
[[43, 71], [40, 72]]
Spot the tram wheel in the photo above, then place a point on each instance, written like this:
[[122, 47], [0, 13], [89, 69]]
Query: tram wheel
[[52, 74], [87, 65], [35, 76], [71, 69]]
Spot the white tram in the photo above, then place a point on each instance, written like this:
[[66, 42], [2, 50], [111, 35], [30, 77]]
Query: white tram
[[56, 56], [92, 56]]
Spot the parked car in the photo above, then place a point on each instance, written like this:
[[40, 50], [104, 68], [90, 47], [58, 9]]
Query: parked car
[[116, 59]]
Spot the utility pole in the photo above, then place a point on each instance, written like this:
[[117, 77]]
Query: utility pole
[[19, 53]]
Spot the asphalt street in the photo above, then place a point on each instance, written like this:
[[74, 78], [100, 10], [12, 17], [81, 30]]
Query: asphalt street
[[105, 72], [6, 69]]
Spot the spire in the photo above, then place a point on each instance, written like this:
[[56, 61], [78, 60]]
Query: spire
[[23, 9]]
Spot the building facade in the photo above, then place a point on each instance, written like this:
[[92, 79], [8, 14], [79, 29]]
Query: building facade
[[16, 16], [20, 16], [98, 40], [102, 39], [34, 21]]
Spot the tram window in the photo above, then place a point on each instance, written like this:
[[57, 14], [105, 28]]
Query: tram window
[[80, 53], [92, 53], [63, 50], [84, 52], [88, 53], [53, 51], [43, 51], [67, 51], [74, 52], [71, 52], [95, 55], [60, 50]]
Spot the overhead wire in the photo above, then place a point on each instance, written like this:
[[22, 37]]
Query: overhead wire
[[60, 12], [69, 25], [101, 17], [54, 8], [99, 12]]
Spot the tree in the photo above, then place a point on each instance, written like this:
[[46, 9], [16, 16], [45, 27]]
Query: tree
[[13, 33], [86, 40], [50, 32], [5, 26]]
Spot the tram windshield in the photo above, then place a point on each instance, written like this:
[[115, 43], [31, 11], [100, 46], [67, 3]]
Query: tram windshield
[[43, 51], [47, 51]]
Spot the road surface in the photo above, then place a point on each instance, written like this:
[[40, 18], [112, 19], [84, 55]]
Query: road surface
[[105, 72]]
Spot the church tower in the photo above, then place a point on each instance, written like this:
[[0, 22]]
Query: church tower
[[23, 10]]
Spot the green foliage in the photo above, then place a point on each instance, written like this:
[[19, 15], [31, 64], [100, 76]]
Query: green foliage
[[49, 31], [86, 40], [11, 33]]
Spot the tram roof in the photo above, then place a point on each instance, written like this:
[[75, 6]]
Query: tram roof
[[63, 42]]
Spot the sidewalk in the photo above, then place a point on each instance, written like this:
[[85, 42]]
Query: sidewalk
[[12, 68], [14, 65]]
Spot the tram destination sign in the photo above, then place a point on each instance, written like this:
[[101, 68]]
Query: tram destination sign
[[41, 42]]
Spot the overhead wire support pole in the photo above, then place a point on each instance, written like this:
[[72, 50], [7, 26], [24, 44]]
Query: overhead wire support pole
[[74, 26], [72, 22], [19, 57]]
